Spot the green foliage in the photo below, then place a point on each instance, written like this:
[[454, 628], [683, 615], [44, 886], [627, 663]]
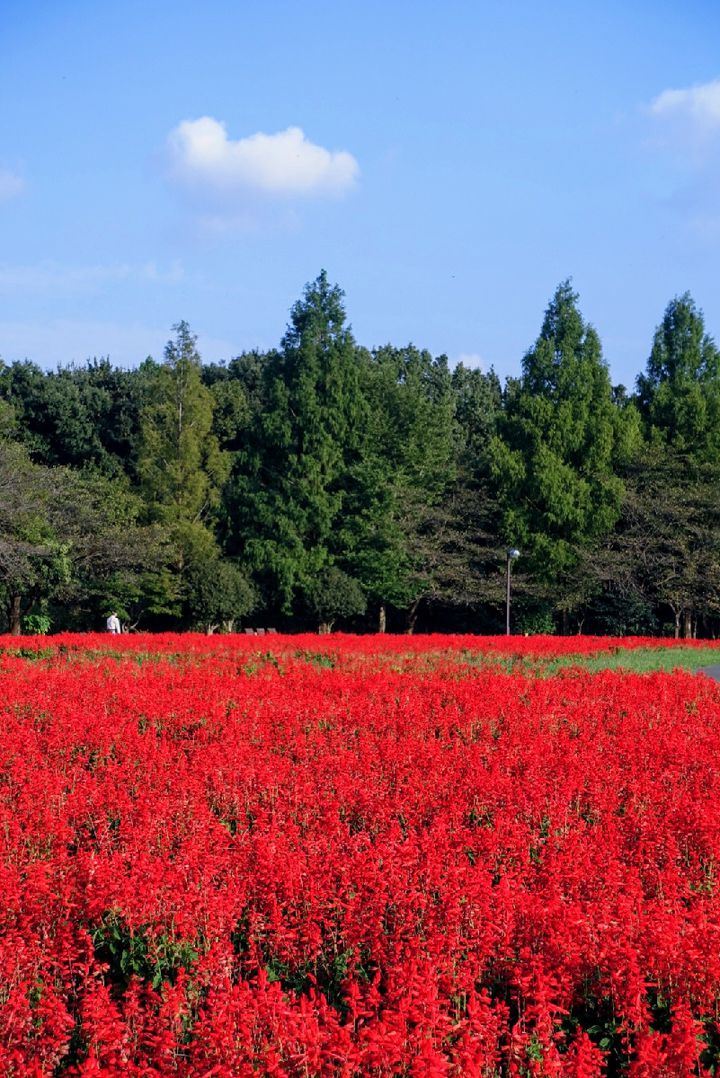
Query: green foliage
[[139, 952], [180, 464], [37, 624], [665, 552], [139, 595], [74, 416], [334, 594], [64, 534], [554, 460], [320, 477], [406, 468], [289, 484], [679, 393], [623, 614], [478, 407], [8, 420], [217, 593], [34, 555], [534, 622], [231, 413]]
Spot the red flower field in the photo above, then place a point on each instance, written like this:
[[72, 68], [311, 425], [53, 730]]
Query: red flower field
[[355, 856]]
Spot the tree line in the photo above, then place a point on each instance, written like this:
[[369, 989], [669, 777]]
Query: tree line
[[325, 484]]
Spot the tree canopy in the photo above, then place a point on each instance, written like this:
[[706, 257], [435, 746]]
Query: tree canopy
[[324, 483]]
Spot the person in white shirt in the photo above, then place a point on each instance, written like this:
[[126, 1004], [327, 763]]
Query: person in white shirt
[[113, 623]]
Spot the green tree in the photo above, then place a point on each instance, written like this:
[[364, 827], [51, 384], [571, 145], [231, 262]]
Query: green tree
[[665, 551], [181, 466], [290, 481], [115, 397], [406, 469], [238, 389], [33, 557], [114, 559], [478, 406], [82, 416], [679, 393], [332, 595], [555, 460], [62, 415], [64, 534], [218, 594]]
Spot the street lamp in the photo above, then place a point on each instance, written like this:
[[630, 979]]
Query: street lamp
[[512, 554]]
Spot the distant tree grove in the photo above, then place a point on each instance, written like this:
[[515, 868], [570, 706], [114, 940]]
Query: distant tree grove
[[322, 484]]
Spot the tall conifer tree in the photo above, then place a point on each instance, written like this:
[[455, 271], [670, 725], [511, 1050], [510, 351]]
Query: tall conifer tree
[[180, 464], [554, 461], [679, 393], [287, 496]]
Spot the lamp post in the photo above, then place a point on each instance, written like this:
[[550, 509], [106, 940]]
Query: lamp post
[[512, 554]]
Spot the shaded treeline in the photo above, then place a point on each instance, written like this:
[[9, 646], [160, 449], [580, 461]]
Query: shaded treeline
[[324, 484]]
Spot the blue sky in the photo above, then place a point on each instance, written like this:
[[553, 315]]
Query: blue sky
[[447, 165]]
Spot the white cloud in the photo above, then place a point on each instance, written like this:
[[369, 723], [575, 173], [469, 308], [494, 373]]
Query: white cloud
[[66, 340], [687, 134], [284, 164], [77, 279], [10, 185], [697, 107]]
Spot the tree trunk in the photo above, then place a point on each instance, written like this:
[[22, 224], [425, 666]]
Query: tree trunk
[[687, 624], [325, 627], [677, 624], [412, 615], [565, 623], [14, 612], [382, 618]]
